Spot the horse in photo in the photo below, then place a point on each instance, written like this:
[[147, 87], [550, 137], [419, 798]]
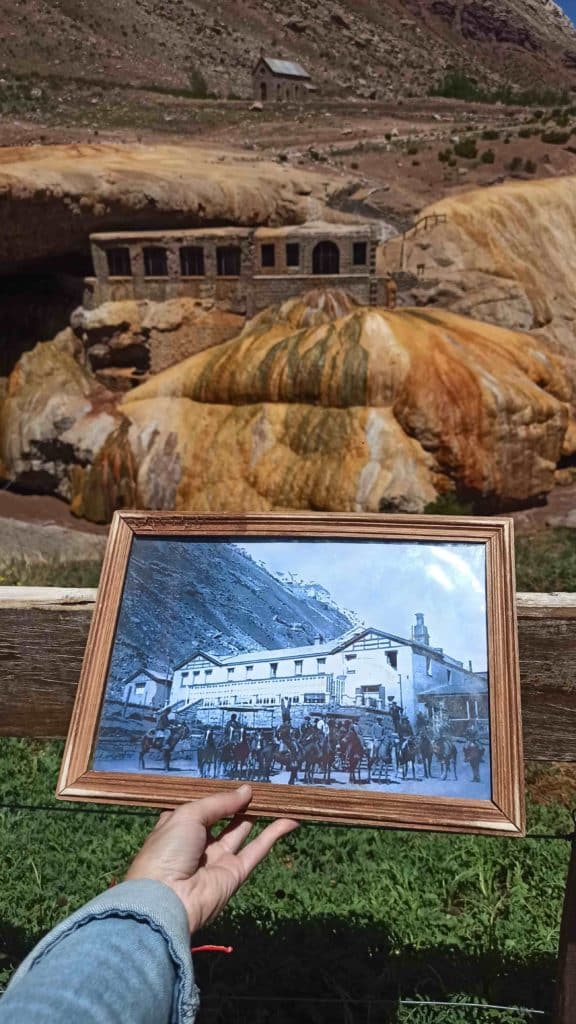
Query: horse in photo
[[209, 755], [235, 755], [474, 755], [447, 754], [407, 756], [354, 752], [426, 752], [164, 740]]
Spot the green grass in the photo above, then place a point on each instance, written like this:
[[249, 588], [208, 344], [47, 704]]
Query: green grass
[[49, 573], [335, 914], [546, 561]]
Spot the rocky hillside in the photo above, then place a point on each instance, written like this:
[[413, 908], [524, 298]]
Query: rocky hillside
[[364, 47], [181, 595]]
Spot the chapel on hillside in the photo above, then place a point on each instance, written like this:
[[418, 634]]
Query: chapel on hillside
[[280, 81]]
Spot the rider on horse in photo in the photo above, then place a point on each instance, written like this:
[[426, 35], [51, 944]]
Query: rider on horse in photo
[[322, 727], [309, 732], [285, 706], [395, 710], [404, 730], [474, 752], [233, 730], [164, 724]]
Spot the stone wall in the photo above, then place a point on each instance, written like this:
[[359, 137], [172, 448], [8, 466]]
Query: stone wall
[[266, 273], [229, 292], [270, 291]]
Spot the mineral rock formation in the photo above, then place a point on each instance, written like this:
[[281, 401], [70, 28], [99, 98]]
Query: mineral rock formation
[[505, 255], [55, 419], [52, 197], [317, 404], [363, 411]]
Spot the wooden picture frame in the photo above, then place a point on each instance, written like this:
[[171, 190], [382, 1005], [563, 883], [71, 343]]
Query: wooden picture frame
[[488, 541]]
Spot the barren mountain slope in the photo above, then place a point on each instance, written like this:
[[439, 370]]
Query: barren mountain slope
[[163, 586], [361, 46]]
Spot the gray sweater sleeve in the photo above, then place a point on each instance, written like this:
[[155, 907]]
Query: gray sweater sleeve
[[123, 957]]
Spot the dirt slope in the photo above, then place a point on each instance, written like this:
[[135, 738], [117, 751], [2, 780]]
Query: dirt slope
[[362, 46]]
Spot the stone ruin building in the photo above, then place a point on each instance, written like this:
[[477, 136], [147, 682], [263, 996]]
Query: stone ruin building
[[240, 270], [280, 81]]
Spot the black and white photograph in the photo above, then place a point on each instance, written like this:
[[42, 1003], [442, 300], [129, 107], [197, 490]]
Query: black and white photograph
[[343, 664]]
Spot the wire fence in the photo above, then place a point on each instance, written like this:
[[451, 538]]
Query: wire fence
[[523, 1012]]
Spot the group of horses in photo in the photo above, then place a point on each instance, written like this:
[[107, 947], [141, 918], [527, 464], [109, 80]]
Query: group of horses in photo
[[312, 756]]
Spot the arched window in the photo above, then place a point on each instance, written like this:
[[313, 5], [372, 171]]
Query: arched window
[[326, 258], [263, 92]]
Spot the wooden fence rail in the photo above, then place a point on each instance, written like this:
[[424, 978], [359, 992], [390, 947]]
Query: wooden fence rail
[[43, 633]]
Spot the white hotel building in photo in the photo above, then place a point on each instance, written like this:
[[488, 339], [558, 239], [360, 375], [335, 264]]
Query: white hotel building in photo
[[363, 667]]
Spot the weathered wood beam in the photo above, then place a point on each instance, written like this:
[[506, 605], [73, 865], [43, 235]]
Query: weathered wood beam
[[43, 633]]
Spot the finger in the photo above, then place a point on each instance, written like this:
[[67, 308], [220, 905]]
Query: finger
[[222, 805], [233, 836], [255, 851]]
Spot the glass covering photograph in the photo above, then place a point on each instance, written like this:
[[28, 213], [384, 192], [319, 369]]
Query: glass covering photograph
[[355, 665]]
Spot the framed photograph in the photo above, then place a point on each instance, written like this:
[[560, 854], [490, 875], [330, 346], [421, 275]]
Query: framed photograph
[[360, 669]]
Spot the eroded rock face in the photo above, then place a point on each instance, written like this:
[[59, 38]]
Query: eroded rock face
[[125, 341], [55, 417], [505, 255], [53, 197], [317, 404]]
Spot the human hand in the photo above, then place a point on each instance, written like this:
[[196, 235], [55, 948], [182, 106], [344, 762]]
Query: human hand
[[204, 871]]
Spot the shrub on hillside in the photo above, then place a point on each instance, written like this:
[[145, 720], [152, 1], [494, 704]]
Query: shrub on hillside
[[490, 135], [516, 164], [488, 156], [456, 84], [466, 148], [198, 85], [530, 166], [555, 138]]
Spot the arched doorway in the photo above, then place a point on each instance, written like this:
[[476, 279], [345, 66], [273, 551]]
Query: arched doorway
[[263, 92], [326, 258]]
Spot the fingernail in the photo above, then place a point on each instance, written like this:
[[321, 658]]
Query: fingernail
[[245, 788]]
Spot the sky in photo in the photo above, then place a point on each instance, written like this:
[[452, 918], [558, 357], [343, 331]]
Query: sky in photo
[[387, 583], [569, 7]]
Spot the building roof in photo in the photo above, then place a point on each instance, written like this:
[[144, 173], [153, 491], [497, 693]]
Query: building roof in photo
[[470, 686], [146, 672], [308, 650], [323, 649], [288, 68]]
